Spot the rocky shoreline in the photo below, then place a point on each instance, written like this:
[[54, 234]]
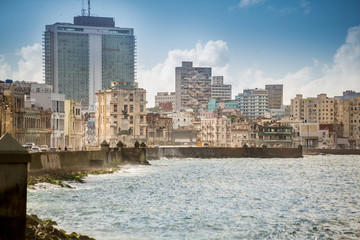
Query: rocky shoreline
[[47, 229], [58, 176]]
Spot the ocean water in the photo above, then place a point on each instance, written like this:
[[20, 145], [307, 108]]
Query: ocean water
[[315, 197]]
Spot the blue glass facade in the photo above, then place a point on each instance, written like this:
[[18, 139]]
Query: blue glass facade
[[80, 59]]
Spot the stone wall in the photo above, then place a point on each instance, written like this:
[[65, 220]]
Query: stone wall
[[331, 151], [84, 159], [210, 152]]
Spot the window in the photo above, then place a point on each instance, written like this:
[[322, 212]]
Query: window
[[131, 97], [115, 108], [131, 119], [141, 108], [131, 108]]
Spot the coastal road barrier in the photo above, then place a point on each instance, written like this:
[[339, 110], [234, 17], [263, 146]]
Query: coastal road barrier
[[13, 182]]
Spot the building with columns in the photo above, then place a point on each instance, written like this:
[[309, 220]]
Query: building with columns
[[120, 114]]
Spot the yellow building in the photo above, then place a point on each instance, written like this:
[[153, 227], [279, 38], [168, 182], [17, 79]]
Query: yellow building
[[350, 118], [120, 114], [321, 109], [73, 125]]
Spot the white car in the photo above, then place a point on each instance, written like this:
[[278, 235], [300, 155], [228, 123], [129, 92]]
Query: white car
[[35, 149], [44, 148]]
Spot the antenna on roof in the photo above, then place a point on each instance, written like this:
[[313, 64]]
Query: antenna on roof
[[82, 9], [89, 8]]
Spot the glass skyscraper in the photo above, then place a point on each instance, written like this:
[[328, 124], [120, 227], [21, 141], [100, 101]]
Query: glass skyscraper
[[88, 55]]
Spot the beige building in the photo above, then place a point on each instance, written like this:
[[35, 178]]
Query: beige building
[[243, 131], [216, 131], [165, 101], [350, 118], [120, 114], [74, 131], [24, 124], [320, 110]]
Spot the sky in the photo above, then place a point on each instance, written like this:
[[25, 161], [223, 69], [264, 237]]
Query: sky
[[309, 46]]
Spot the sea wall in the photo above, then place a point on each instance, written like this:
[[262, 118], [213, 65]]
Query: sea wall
[[85, 159], [331, 151], [13, 174], [211, 152]]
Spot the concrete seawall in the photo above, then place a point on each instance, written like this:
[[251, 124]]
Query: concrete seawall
[[210, 152], [85, 159], [331, 151]]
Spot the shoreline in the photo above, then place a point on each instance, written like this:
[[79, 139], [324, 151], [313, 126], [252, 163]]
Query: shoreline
[[58, 176], [37, 228]]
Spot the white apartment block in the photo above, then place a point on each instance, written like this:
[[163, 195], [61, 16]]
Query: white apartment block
[[41, 96], [253, 102]]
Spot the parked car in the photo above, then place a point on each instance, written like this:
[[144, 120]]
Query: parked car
[[27, 147], [35, 149], [52, 149], [44, 148]]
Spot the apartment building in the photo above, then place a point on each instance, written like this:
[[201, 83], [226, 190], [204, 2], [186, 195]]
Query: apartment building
[[120, 114], [275, 95], [192, 87], [74, 131], [219, 90], [216, 131], [321, 109], [253, 102], [165, 101]]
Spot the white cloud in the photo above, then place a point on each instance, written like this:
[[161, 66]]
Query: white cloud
[[161, 78], [341, 75], [247, 3], [5, 69], [30, 64]]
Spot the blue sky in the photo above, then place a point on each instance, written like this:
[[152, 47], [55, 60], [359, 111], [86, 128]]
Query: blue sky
[[309, 46]]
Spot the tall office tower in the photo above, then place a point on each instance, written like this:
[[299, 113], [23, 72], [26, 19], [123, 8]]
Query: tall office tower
[[253, 102], [88, 55], [219, 90], [275, 95], [192, 87]]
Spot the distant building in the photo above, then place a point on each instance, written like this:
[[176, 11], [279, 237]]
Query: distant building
[[86, 56], [120, 114], [276, 136], [253, 102], [349, 94], [41, 96], [350, 118], [74, 131], [216, 131], [165, 101], [321, 109], [275, 95], [243, 132], [219, 90], [213, 104], [159, 129], [30, 124], [192, 87]]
